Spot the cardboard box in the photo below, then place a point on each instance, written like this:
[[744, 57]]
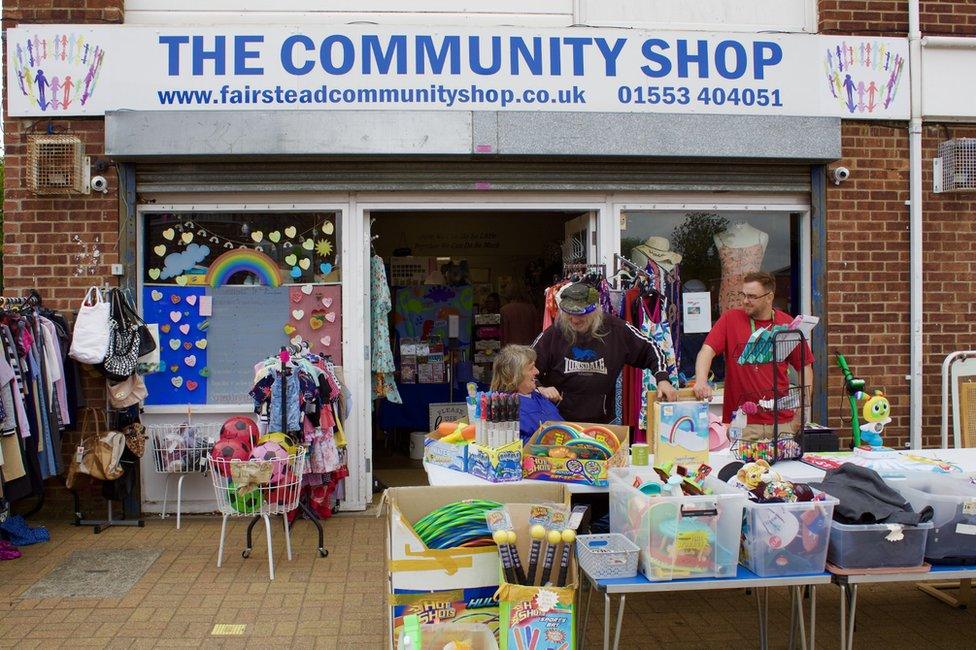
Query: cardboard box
[[465, 606], [558, 463], [461, 572], [682, 433], [445, 454], [496, 464], [684, 395]]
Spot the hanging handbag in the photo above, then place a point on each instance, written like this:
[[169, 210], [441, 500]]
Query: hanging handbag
[[99, 455], [147, 342], [123, 351], [124, 394], [90, 337], [149, 363]]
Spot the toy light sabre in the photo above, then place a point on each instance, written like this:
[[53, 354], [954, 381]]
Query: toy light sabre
[[876, 409]]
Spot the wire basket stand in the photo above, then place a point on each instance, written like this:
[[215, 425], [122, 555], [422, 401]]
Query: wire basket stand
[[180, 450], [783, 399], [261, 488]]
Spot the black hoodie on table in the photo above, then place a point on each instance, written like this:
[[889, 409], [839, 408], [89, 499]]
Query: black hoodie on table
[[586, 372]]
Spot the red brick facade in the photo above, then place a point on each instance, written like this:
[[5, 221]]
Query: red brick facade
[[867, 221]]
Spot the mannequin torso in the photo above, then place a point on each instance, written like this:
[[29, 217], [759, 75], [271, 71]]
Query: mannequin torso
[[741, 249]]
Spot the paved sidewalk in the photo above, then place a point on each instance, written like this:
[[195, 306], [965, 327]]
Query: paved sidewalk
[[339, 601]]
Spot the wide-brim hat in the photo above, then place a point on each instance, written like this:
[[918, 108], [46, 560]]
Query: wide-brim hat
[[659, 250], [579, 299]]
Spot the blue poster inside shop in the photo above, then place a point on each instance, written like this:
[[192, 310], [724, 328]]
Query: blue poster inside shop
[[182, 378]]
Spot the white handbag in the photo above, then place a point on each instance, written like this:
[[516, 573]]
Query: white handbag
[[91, 335]]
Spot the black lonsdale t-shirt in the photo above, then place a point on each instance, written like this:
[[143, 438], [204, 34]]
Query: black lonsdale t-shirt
[[586, 371]]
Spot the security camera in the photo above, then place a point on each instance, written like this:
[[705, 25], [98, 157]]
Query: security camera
[[841, 174], [99, 184]]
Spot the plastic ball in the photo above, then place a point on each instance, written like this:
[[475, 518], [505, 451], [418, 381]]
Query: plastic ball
[[285, 490], [272, 451], [500, 537], [240, 428], [512, 537], [569, 536], [283, 439], [247, 504], [538, 531], [554, 536], [224, 451]]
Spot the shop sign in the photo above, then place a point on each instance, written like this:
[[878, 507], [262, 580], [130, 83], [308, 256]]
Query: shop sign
[[59, 70]]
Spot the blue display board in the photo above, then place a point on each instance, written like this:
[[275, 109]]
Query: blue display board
[[183, 345]]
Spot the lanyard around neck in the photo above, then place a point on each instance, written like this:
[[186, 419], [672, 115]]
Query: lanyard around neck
[[752, 323]]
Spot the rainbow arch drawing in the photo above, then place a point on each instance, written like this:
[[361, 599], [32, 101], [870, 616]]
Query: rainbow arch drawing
[[677, 425], [243, 259]]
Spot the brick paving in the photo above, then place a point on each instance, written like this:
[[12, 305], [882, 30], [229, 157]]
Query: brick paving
[[339, 601]]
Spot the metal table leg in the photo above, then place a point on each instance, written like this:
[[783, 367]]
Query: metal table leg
[[620, 620], [762, 606], [606, 621], [813, 617], [851, 613]]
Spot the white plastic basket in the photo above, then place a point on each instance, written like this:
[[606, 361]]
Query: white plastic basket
[[247, 488], [182, 448], [607, 556]]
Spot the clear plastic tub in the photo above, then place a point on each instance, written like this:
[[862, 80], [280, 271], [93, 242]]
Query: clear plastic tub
[[478, 636], [952, 539], [781, 539], [870, 546], [678, 537], [607, 556]]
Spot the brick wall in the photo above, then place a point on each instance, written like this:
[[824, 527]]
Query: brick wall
[[890, 17]]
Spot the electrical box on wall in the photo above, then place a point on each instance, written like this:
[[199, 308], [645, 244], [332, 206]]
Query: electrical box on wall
[[954, 170], [57, 165]]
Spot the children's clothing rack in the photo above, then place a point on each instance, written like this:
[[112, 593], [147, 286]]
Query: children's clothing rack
[[285, 372]]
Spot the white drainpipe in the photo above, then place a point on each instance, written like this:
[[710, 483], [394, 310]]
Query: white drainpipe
[[915, 223]]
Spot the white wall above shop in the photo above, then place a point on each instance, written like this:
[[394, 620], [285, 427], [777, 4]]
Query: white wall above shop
[[948, 66], [721, 15]]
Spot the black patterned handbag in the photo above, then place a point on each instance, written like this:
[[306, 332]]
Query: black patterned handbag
[[124, 341]]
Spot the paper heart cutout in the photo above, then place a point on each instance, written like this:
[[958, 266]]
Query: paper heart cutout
[[175, 316], [326, 341], [185, 328], [298, 314], [308, 244], [174, 344], [186, 237], [156, 295], [159, 250], [204, 372], [191, 385], [154, 274], [201, 344], [168, 234], [296, 298], [187, 346], [190, 361], [291, 259], [165, 328], [289, 330], [274, 236], [174, 368], [182, 280], [296, 340], [177, 381], [316, 320], [325, 267], [296, 272], [257, 236], [204, 325], [304, 263], [328, 227], [175, 298], [330, 317], [307, 289], [327, 302], [290, 231], [191, 300]]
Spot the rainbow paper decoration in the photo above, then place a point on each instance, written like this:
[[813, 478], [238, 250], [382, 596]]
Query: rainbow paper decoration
[[244, 259]]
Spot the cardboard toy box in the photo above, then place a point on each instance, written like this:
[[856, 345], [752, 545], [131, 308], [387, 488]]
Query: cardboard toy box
[[449, 584], [559, 463], [539, 617], [445, 454], [496, 464]]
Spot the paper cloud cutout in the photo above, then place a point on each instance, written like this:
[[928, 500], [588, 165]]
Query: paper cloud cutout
[[180, 263]]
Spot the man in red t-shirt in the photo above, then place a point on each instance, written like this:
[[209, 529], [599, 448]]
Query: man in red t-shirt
[[751, 382]]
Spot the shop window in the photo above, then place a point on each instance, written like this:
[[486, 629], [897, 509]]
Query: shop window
[[227, 289], [704, 256]]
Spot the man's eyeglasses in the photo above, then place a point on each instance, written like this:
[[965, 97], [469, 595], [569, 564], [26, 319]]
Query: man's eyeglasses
[[750, 297]]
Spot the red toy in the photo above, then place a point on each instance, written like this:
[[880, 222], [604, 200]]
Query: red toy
[[227, 450], [244, 430]]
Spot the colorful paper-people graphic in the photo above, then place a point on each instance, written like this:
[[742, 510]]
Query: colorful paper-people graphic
[[57, 86], [851, 77]]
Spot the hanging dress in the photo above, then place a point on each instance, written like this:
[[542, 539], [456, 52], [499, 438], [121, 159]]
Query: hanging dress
[[382, 365]]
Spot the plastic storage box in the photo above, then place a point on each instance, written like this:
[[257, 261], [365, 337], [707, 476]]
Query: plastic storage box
[[952, 539], [678, 537], [477, 636], [780, 539], [870, 546], [607, 556]]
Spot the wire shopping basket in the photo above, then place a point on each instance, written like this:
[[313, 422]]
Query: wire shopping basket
[[180, 450]]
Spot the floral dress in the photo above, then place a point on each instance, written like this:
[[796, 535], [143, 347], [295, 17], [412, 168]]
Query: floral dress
[[381, 304]]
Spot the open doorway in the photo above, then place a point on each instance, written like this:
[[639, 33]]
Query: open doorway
[[462, 284]]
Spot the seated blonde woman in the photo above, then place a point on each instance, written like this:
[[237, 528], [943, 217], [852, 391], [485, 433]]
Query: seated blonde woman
[[514, 371]]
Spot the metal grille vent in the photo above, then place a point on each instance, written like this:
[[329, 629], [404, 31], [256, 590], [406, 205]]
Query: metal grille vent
[[56, 164], [955, 168]]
